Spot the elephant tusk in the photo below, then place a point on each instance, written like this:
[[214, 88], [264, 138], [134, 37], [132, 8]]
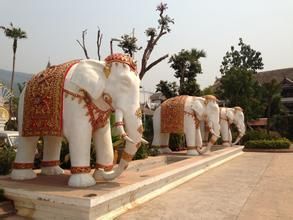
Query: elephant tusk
[[237, 139], [213, 133], [127, 138], [144, 141]]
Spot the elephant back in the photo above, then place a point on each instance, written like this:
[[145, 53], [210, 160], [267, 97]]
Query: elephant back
[[172, 115], [43, 101]]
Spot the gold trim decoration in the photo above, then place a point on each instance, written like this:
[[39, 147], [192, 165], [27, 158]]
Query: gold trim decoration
[[209, 98], [213, 139], [43, 102], [172, 115], [140, 129], [118, 123], [138, 113], [4, 114], [22, 165], [238, 108], [105, 167], [107, 70], [77, 170], [126, 156], [122, 58], [191, 147], [97, 117], [50, 163]]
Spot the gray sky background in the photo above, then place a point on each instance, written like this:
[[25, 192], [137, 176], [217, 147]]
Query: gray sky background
[[53, 27]]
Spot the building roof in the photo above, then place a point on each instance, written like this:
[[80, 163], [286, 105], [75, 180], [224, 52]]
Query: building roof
[[279, 75], [258, 122], [157, 96]]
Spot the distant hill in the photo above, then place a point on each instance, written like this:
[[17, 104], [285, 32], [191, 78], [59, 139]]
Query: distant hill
[[19, 77]]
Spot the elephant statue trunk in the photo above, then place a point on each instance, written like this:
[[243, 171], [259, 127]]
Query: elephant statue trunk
[[212, 141], [133, 141], [241, 130], [120, 126]]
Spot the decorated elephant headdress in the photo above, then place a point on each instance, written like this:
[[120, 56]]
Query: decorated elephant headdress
[[119, 58]]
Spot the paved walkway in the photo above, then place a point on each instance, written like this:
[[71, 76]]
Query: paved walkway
[[252, 186]]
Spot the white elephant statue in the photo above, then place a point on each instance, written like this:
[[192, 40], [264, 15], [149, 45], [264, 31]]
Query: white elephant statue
[[78, 108], [228, 116], [182, 114]]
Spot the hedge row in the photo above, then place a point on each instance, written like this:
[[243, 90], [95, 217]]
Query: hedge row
[[281, 143]]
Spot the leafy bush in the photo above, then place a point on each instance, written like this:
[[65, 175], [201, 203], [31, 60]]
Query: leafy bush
[[7, 156], [141, 153], [177, 142], [260, 135], [281, 143]]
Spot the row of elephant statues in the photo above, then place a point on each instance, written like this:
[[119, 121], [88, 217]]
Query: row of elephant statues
[[200, 117], [74, 101]]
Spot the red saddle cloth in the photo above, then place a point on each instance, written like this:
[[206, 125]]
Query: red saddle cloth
[[172, 115], [43, 102]]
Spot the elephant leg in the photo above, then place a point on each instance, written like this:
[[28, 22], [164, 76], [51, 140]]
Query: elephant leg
[[225, 133], [79, 147], [230, 137], [104, 151], [164, 143], [190, 136], [160, 140], [78, 132], [51, 156], [24, 161]]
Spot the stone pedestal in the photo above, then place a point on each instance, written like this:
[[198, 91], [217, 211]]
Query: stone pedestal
[[49, 197]]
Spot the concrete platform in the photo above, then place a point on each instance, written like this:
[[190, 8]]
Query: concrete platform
[[49, 197]]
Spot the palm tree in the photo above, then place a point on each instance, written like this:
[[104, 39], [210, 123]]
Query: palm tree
[[15, 34]]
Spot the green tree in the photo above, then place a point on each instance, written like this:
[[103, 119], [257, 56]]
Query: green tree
[[245, 58], [238, 86], [210, 90], [128, 44], [168, 89], [187, 65], [15, 34]]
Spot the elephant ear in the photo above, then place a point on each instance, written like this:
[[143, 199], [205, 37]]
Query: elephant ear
[[88, 75], [230, 114], [198, 107]]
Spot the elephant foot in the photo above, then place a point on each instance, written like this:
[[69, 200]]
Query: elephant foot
[[203, 150], [81, 180], [165, 150], [55, 170], [22, 174], [192, 153]]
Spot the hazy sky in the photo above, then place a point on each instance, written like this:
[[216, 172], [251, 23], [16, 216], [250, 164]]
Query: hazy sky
[[53, 26]]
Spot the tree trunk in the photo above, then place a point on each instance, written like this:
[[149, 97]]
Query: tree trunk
[[11, 83]]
